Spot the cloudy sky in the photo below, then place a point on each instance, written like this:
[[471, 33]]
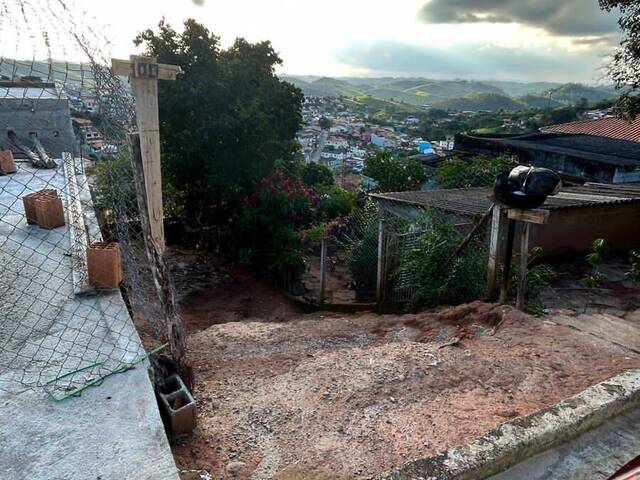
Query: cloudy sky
[[485, 39]]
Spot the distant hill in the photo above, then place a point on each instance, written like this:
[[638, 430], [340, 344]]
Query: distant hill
[[573, 92], [519, 89], [538, 101], [325, 87], [455, 94], [480, 101]]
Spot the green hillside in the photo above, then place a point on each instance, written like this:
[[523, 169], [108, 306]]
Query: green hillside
[[538, 101], [574, 92], [456, 94], [451, 89], [519, 89], [491, 102]]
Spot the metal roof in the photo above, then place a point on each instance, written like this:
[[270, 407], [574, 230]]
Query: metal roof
[[599, 149], [476, 201], [31, 93]]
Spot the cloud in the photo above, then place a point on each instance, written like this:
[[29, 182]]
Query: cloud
[[472, 61], [198, 2], [581, 18]]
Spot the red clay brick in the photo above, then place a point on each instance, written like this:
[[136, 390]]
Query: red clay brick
[[49, 211], [7, 165], [30, 206], [104, 263]]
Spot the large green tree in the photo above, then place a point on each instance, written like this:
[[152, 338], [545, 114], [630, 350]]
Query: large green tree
[[394, 174], [625, 66], [225, 123]]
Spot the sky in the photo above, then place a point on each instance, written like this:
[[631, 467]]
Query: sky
[[555, 40]]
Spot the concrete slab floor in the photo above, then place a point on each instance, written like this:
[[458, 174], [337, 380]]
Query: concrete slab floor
[[112, 431]]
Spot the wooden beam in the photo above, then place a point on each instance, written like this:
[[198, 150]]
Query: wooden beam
[[524, 262], [538, 216], [380, 272], [323, 268], [496, 248], [508, 254], [128, 68], [144, 73], [174, 328]]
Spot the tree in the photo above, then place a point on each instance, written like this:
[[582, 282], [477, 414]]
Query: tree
[[394, 175], [625, 66], [224, 123], [479, 172], [315, 174], [324, 123]]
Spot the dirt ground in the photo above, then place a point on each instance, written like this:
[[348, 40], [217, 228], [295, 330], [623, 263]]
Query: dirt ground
[[335, 396]]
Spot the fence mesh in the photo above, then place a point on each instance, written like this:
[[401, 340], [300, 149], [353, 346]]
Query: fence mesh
[[69, 217], [374, 254]]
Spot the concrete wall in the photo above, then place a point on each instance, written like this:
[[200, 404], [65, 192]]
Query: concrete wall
[[572, 231], [50, 118]]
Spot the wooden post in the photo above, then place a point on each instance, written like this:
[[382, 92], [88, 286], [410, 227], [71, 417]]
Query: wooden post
[[524, 261], [159, 270], [144, 73], [508, 254], [323, 268], [380, 271], [496, 247]]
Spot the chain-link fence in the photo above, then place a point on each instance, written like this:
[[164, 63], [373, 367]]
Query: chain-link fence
[[75, 265], [383, 252]]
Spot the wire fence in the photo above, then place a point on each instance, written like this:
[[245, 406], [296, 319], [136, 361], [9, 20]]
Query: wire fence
[[375, 254], [76, 266]]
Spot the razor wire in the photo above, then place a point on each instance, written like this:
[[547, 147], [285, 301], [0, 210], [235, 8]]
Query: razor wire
[[64, 118]]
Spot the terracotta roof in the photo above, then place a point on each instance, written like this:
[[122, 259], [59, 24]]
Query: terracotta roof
[[610, 127]]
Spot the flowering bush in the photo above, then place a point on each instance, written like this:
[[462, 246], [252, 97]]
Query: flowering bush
[[273, 215]]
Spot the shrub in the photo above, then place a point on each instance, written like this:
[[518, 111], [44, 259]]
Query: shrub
[[634, 272], [334, 201], [269, 229], [596, 277], [443, 280]]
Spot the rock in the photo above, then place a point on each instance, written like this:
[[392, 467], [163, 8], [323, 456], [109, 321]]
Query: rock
[[234, 468]]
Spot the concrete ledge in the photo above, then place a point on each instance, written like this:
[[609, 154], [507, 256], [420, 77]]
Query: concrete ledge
[[524, 437]]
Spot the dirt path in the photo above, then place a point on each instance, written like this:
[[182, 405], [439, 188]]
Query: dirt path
[[342, 397], [211, 291]]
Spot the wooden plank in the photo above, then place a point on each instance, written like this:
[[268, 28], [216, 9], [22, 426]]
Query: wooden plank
[[496, 247], [145, 91], [159, 269], [538, 216], [380, 271], [524, 262], [508, 254], [127, 68], [323, 268]]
